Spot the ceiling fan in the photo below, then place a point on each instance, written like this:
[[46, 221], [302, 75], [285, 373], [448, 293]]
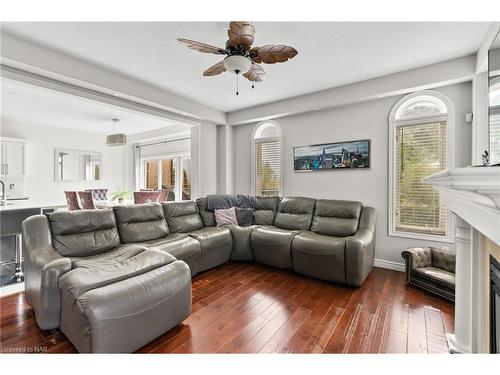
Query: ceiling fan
[[241, 57]]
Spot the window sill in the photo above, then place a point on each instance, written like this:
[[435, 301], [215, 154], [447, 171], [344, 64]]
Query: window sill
[[423, 237]]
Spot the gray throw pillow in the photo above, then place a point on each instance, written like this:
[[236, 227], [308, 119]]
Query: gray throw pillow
[[244, 216]]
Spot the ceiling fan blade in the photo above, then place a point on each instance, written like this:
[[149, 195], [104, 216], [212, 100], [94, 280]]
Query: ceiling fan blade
[[202, 47], [241, 33], [272, 53], [215, 69], [255, 74]]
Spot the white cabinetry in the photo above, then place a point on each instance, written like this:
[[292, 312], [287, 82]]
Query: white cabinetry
[[12, 156]]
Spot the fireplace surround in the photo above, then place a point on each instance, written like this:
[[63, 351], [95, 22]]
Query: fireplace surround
[[473, 195]]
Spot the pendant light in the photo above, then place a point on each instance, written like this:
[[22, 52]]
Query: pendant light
[[116, 139]]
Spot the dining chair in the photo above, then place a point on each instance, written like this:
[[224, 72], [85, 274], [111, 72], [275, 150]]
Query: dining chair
[[99, 194], [72, 200], [165, 193], [146, 196], [86, 200]]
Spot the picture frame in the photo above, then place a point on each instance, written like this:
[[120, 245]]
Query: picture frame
[[346, 155]]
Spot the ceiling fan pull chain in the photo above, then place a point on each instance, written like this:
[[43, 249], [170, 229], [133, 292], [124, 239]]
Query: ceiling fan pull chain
[[253, 85], [237, 84]]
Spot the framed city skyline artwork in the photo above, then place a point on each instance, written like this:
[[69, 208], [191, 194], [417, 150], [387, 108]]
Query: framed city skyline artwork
[[332, 156]]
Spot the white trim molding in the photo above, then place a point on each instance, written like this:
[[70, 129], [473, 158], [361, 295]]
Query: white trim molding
[[11, 289], [449, 117], [387, 264]]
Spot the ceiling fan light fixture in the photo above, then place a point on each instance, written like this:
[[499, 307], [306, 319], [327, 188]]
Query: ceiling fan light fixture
[[237, 64]]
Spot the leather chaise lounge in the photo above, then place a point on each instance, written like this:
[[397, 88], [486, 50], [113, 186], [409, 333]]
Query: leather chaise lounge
[[113, 280]]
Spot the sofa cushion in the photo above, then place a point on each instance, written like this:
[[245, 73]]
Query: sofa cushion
[[336, 218], [140, 222], [119, 315], [83, 233], [216, 245], [294, 213], [273, 246], [112, 257], [82, 279], [443, 277], [182, 217], [182, 247], [443, 259], [265, 210], [244, 216], [242, 249], [207, 216], [319, 256]]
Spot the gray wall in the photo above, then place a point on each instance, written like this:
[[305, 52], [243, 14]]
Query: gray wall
[[368, 120]]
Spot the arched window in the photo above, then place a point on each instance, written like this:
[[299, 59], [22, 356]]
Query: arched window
[[266, 148], [494, 128], [420, 126]]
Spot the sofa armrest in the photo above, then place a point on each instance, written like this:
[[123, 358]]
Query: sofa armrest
[[43, 266], [360, 248], [416, 257]]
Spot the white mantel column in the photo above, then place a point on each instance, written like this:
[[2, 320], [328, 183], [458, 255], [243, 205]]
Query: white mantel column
[[461, 341]]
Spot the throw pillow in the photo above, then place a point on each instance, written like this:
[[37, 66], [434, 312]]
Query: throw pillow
[[227, 216], [244, 216]]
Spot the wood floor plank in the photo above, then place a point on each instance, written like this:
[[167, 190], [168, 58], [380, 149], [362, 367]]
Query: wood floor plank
[[250, 308], [396, 342], [417, 332], [434, 322]]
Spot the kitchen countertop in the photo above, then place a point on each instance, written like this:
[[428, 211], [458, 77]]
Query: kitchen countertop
[[14, 205]]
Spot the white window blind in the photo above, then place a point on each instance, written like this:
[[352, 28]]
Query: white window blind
[[267, 168], [495, 135], [420, 150]]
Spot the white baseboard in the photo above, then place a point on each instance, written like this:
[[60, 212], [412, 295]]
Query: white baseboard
[[11, 289], [380, 263]]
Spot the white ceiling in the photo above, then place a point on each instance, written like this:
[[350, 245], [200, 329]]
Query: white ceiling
[[330, 54], [24, 103]]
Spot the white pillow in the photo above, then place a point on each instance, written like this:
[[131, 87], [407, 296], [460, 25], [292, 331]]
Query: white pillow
[[226, 216]]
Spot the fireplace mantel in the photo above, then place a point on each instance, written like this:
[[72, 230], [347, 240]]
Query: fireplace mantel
[[474, 195]]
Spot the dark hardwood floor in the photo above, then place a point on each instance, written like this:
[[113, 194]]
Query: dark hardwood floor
[[251, 308]]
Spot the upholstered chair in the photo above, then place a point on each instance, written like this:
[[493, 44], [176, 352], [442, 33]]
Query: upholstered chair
[[72, 200], [432, 269], [99, 194], [146, 196], [86, 200], [165, 194]]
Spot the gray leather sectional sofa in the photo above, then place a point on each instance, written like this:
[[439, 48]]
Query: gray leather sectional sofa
[[115, 279]]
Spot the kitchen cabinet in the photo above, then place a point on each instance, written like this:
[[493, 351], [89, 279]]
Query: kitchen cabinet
[[13, 157]]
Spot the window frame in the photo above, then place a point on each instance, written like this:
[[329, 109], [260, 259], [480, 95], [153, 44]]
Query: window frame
[[177, 157], [449, 117], [255, 141]]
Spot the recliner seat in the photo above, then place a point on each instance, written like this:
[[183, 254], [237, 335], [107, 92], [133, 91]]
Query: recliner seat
[[146, 224], [105, 296], [272, 245], [216, 242]]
